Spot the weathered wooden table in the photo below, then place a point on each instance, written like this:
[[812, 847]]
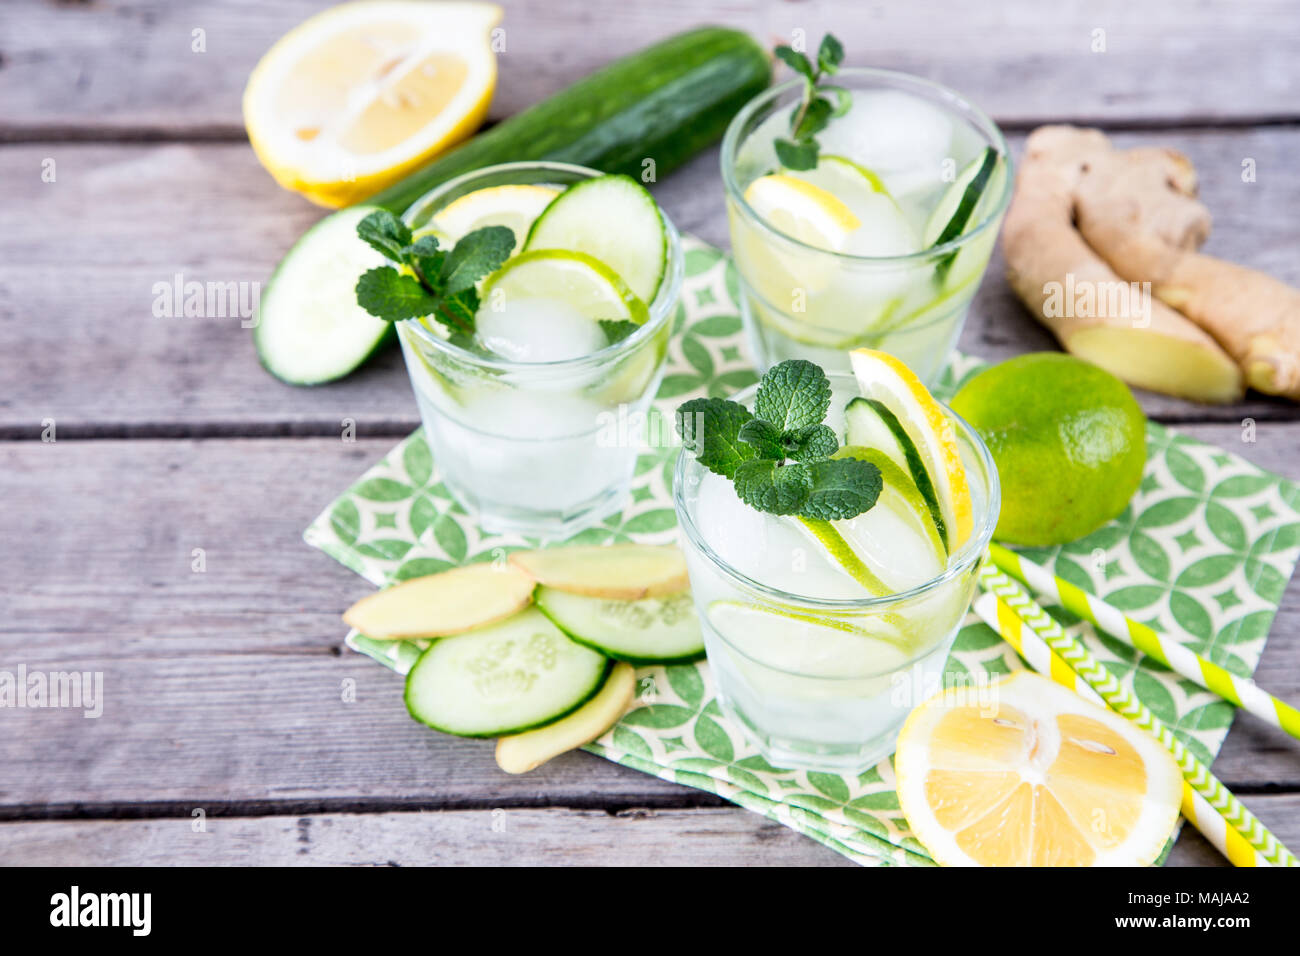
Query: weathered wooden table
[[225, 737]]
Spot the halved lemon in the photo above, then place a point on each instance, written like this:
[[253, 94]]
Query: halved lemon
[[515, 206], [1025, 773], [356, 97], [883, 377]]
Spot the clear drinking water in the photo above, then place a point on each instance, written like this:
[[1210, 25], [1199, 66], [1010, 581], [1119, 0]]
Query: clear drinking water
[[884, 289], [519, 425], [820, 674]]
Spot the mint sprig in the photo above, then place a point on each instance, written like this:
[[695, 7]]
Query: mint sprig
[[437, 282], [821, 102], [778, 457]]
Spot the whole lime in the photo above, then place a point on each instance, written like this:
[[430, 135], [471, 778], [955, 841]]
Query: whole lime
[[1069, 441]]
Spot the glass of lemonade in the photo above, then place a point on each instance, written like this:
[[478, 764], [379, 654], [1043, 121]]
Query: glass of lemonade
[[873, 247], [820, 672], [573, 328]]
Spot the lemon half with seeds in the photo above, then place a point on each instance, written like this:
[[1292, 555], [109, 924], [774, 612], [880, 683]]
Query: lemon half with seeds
[[356, 97], [1026, 773]]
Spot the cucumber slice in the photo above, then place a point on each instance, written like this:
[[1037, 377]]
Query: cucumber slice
[[310, 329], [871, 424], [663, 630], [614, 219], [956, 207], [962, 207], [502, 679]]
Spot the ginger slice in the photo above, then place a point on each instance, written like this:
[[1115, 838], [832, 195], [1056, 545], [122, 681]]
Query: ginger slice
[[1148, 344], [1137, 208]]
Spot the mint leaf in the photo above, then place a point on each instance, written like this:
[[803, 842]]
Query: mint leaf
[[769, 486], [793, 395], [796, 155], [616, 330], [814, 119], [811, 443], [458, 311], [427, 260], [841, 488], [385, 233], [710, 429], [795, 60], [387, 294], [800, 151], [477, 254], [764, 437], [830, 54]]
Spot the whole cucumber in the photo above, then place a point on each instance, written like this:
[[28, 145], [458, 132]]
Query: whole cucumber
[[664, 103]]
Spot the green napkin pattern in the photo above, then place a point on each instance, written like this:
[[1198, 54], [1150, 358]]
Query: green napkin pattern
[[1203, 553]]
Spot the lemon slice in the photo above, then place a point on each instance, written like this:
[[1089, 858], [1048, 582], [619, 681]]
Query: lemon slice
[[513, 206], [802, 210], [884, 378], [356, 97], [1026, 773]]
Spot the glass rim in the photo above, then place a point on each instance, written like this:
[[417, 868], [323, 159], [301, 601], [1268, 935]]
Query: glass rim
[[661, 309], [949, 98], [966, 556]]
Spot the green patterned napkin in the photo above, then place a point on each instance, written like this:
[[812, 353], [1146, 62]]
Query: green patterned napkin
[[1203, 553]]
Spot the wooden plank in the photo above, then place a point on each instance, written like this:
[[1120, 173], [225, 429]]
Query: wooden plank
[[113, 68], [225, 687], [723, 836], [88, 351], [701, 837]]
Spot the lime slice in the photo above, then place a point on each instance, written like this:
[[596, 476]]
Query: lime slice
[[794, 640], [513, 206], [884, 378], [575, 279], [615, 220], [840, 176], [545, 306], [900, 495]]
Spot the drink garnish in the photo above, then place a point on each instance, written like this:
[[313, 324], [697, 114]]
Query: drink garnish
[[437, 282], [815, 109], [778, 457]]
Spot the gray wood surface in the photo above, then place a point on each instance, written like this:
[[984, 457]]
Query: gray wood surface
[[223, 688], [134, 374], [80, 71]]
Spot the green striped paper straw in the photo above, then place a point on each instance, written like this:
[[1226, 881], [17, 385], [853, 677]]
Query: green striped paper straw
[[1124, 703], [1045, 661], [1242, 691]]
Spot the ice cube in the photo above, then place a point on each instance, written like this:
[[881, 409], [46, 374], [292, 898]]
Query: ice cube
[[538, 330], [892, 546], [890, 131], [771, 549]]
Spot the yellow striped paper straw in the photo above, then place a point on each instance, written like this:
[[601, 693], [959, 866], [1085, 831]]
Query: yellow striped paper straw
[[1196, 809], [1123, 702], [1242, 691]]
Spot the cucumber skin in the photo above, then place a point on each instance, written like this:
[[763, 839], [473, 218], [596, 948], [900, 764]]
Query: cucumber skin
[[406, 699], [626, 658], [666, 103], [386, 338]]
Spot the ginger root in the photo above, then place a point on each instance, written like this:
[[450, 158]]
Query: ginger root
[[1145, 342], [1137, 208]]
